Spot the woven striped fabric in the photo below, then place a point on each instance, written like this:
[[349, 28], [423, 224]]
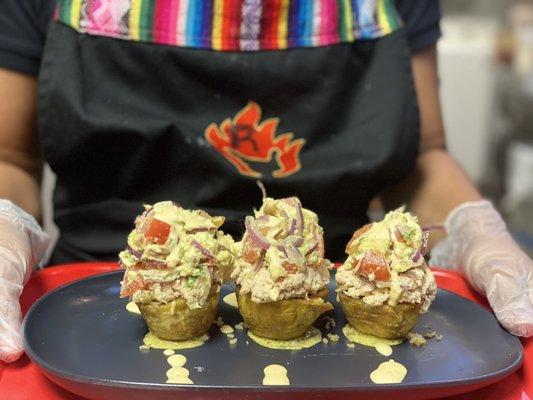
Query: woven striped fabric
[[232, 25]]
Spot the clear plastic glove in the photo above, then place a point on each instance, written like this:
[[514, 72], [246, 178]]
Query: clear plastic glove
[[479, 243], [22, 245]]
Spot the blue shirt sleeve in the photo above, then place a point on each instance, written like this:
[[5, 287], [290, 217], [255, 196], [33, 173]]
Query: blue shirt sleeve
[[23, 26], [422, 22]]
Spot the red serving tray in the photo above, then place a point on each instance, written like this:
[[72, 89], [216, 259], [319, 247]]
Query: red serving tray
[[22, 380]]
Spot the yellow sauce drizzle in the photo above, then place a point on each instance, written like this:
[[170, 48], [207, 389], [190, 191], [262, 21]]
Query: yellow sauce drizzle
[[231, 299], [367, 340], [275, 375], [133, 308], [312, 337], [177, 360], [383, 349], [152, 341], [168, 352], [178, 373], [388, 372]]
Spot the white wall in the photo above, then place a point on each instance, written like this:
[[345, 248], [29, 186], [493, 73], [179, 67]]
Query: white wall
[[467, 74]]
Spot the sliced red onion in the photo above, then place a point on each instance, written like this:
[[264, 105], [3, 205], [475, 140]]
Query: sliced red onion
[[300, 217], [417, 255], [432, 228], [254, 234], [154, 264], [313, 247], [296, 241], [292, 227], [133, 252], [422, 249], [295, 203], [259, 262], [206, 253], [294, 256], [211, 274], [316, 240], [282, 248]]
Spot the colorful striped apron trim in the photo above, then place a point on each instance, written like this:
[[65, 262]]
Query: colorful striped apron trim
[[233, 25]]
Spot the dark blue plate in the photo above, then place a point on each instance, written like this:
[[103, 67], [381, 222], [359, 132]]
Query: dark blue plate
[[84, 339]]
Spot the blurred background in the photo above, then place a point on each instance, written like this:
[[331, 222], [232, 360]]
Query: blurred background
[[486, 71]]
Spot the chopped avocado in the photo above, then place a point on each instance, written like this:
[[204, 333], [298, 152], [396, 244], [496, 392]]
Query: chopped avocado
[[409, 233], [400, 264], [191, 281], [127, 259], [187, 269], [398, 237], [376, 238], [276, 271]]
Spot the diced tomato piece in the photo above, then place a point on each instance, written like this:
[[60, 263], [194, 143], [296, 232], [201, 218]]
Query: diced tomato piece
[[399, 236], [373, 262], [134, 286], [399, 232], [151, 265], [350, 247], [291, 268], [250, 252], [157, 231]]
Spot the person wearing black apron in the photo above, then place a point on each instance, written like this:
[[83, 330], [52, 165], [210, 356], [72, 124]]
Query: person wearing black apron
[[127, 100], [194, 101]]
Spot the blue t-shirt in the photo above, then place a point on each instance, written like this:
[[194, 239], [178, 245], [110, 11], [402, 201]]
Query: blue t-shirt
[[24, 23]]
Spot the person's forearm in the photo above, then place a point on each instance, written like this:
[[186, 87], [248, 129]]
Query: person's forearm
[[21, 187], [437, 186], [20, 161]]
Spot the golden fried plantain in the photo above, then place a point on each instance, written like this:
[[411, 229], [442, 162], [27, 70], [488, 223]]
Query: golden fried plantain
[[385, 321], [283, 319], [175, 321]]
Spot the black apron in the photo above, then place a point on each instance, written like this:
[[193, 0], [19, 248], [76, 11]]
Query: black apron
[[125, 123]]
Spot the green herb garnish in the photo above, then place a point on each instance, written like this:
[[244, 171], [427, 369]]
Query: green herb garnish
[[191, 281]]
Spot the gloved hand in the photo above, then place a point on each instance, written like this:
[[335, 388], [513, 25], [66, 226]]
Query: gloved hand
[[478, 242], [22, 245]]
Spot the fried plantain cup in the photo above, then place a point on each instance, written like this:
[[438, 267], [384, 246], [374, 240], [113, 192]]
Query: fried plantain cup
[[175, 321], [283, 319], [384, 321]]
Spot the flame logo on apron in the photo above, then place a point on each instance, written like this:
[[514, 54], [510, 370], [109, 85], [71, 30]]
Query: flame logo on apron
[[244, 138]]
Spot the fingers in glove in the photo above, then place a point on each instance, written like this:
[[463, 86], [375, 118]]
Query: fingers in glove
[[10, 330], [509, 296]]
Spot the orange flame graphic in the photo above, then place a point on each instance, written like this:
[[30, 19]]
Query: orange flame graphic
[[243, 139]]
